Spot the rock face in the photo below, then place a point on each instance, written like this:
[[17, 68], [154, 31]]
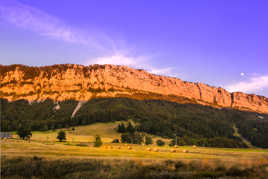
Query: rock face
[[61, 82]]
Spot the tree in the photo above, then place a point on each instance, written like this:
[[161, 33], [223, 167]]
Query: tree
[[180, 141], [131, 138], [98, 141], [61, 136], [160, 143], [24, 132], [125, 138], [148, 140], [136, 138], [130, 128], [45, 128], [172, 142], [121, 128]]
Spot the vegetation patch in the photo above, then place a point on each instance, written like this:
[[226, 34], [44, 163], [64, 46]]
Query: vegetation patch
[[38, 167]]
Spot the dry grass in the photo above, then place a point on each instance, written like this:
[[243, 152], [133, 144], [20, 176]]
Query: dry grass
[[135, 168], [79, 144], [86, 133], [14, 148]]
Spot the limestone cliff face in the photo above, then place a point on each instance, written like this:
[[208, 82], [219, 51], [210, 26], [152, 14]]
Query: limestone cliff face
[[61, 82]]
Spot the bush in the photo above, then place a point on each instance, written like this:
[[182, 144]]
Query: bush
[[98, 141], [181, 141], [61, 136], [115, 141], [235, 171], [148, 140], [131, 138], [130, 128], [37, 167], [121, 128], [24, 132], [160, 142]]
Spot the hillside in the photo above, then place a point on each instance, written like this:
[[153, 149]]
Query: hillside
[[82, 83], [61, 96], [191, 123]]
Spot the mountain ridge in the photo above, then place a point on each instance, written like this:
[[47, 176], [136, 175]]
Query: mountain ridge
[[81, 83]]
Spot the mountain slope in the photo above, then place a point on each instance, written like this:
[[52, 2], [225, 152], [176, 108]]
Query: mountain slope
[[82, 83], [193, 124], [60, 96]]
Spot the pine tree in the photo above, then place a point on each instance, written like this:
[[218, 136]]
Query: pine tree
[[130, 128], [121, 128]]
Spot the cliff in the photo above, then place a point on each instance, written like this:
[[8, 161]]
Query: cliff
[[61, 82]]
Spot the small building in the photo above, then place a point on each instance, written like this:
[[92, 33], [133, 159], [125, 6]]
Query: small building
[[5, 135]]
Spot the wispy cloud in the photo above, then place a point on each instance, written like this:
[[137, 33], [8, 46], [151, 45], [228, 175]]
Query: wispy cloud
[[254, 84], [161, 71], [44, 24], [33, 19], [132, 61], [117, 59]]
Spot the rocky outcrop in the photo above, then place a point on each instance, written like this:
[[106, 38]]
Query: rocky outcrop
[[250, 102], [61, 82]]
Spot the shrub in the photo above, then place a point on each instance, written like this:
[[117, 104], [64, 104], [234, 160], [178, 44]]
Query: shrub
[[160, 142], [130, 128], [24, 132], [121, 128], [132, 138], [61, 136], [115, 141], [235, 171], [148, 140], [98, 141], [125, 138], [37, 167]]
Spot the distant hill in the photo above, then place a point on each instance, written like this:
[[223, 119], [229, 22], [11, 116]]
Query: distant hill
[[193, 124], [82, 83]]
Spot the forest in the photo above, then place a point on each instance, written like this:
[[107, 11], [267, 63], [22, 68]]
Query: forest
[[189, 124]]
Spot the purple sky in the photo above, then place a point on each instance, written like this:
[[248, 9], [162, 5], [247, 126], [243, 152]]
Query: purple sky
[[221, 43]]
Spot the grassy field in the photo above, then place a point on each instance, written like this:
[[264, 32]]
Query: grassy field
[[14, 147], [79, 149], [85, 134], [82, 160], [79, 144]]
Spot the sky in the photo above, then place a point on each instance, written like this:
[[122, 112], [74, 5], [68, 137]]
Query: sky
[[222, 43]]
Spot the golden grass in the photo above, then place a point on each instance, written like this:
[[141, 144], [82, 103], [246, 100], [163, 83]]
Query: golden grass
[[14, 147], [86, 133], [79, 144], [102, 129]]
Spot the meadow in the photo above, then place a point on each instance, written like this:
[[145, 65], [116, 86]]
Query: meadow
[[79, 148]]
